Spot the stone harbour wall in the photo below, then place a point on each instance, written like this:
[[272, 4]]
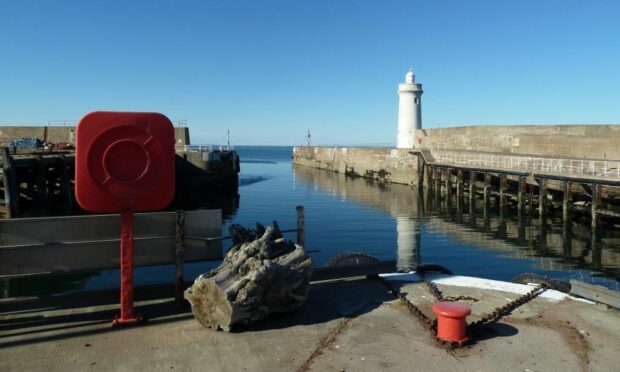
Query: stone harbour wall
[[563, 141], [382, 164]]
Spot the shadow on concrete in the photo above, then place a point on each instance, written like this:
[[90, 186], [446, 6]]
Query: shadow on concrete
[[84, 321], [326, 302], [493, 330]]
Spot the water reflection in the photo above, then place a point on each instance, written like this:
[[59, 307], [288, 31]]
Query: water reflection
[[548, 243]]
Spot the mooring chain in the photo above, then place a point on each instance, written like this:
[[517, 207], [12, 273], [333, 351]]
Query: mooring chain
[[502, 311], [431, 324], [434, 290], [428, 323], [413, 309]]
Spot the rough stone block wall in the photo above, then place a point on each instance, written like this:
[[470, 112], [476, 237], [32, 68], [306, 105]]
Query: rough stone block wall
[[383, 164], [564, 141]]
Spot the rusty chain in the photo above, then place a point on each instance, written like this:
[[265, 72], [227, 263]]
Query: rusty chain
[[432, 288], [502, 311], [431, 324]]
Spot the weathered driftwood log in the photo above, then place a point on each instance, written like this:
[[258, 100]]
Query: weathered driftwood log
[[256, 278]]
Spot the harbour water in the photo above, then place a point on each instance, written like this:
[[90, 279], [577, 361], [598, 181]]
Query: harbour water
[[389, 222]]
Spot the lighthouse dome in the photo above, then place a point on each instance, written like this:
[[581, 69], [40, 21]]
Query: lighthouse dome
[[410, 77]]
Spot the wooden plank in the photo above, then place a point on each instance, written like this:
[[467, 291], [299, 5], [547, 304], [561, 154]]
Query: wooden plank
[[595, 293], [30, 246]]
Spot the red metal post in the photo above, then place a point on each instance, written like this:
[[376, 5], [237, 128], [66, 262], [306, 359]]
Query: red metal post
[[127, 315]]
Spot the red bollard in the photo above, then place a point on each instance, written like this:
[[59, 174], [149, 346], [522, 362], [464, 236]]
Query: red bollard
[[451, 321]]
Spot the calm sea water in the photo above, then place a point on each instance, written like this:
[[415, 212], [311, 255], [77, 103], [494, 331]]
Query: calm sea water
[[388, 222]]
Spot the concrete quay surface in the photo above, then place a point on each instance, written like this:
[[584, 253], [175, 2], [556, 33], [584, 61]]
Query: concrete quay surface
[[347, 325]]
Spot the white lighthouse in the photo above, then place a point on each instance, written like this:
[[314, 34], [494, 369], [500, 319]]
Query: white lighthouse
[[409, 111]]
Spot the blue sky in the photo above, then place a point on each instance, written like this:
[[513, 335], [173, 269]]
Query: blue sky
[[270, 70]]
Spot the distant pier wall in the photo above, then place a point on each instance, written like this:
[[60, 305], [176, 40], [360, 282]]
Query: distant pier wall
[[566, 141], [383, 164], [56, 134]]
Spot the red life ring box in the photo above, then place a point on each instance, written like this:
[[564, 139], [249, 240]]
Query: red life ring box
[[124, 160]]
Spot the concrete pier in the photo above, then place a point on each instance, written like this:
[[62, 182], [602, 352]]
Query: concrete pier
[[353, 325]]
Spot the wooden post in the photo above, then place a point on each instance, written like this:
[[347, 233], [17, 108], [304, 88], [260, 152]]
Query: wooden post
[[542, 197], [487, 188], [448, 175], [428, 200], [40, 178], [596, 203], [459, 190], [429, 176], [420, 172], [530, 199], [567, 239], [503, 187], [472, 187], [65, 189], [437, 179], [11, 190], [521, 229], [459, 183], [502, 228], [179, 256], [567, 200], [301, 226], [595, 247], [521, 194]]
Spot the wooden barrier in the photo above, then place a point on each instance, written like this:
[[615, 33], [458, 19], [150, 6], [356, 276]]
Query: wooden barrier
[[31, 246]]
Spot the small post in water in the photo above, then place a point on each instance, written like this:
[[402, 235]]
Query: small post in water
[[301, 233]]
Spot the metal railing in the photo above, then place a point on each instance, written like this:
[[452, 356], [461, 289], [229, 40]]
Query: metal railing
[[64, 123], [194, 148], [573, 167], [203, 148]]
